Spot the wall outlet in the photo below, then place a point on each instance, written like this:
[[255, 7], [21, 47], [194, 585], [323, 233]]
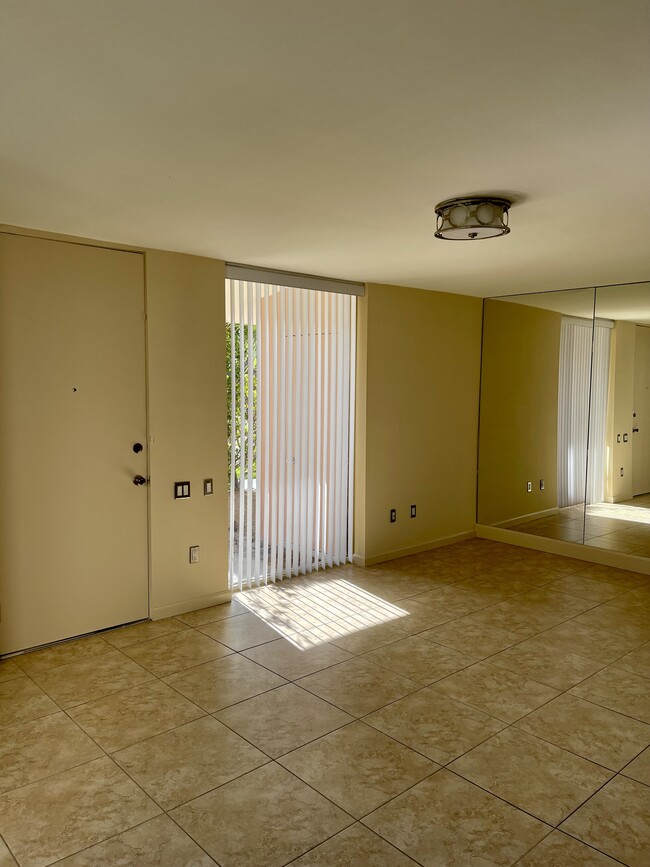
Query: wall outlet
[[413, 511], [529, 487], [194, 554], [393, 515], [541, 484]]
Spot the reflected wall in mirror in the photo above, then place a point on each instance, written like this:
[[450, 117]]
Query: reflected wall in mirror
[[564, 443], [534, 423], [618, 515]]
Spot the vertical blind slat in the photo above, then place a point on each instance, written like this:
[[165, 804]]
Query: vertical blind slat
[[231, 432]]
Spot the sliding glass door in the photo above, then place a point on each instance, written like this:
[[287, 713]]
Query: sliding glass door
[[291, 399]]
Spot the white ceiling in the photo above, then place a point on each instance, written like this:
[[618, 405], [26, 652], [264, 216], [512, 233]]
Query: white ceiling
[[317, 135]]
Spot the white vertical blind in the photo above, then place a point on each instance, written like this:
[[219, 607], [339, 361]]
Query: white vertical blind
[[291, 411], [597, 452], [582, 411]]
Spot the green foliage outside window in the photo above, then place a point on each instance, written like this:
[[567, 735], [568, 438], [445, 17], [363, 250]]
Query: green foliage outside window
[[238, 435]]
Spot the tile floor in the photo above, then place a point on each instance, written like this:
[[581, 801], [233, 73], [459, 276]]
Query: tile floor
[[623, 527], [480, 704]]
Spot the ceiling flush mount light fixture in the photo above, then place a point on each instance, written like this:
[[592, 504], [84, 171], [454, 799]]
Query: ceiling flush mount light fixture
[[469, 218]]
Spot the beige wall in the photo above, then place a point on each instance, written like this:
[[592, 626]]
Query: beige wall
[[417, 419], [519, 408], [619, 413], [187, 419]]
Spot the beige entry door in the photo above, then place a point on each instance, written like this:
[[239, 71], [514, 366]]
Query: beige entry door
[[641, 421], [73, 525]]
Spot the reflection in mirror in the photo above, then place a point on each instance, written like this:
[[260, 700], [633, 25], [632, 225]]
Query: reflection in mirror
[[534, 423], [618, 513]]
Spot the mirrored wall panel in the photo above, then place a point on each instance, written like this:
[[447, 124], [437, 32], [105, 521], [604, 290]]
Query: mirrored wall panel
[[564, 443], [618, 500]]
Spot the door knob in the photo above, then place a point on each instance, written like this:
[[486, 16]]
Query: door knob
[[139, 480], [137, 448], [635, 430]]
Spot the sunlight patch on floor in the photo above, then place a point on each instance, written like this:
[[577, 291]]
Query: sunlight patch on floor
[[620, 512], [311, 612]]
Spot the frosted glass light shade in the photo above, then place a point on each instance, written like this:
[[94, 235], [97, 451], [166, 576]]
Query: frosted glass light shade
[[469, 219]]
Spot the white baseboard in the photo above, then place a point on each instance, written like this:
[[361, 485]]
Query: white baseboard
[[523, 519], [412, 549], [190, 605], [576, 550]]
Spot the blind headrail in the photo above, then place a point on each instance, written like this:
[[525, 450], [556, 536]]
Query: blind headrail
[[253, 274]]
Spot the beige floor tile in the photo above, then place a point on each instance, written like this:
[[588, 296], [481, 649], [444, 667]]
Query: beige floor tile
[[535, 574], [358, 686], [119, 720], [555, 562], [53, 818], [358, 768], [22, 700], [559, 850], [215, 612], [618, 690], [588, 730], [616, 821], [446, 571], [127, 635], [420, 659], [477, 639], [40, 748], [290, 662], [241, 632], [263, 819], [496, 691], [588, 588], [539, 659], [283, 719], [608, 616], [620, 577], [543, 600], [90, 679], [447, 821], [393, 588], [639, 769], [226, 681], [536, 776], [450, 601], [61, 654], [418, 616], [188, 761], [363, 640], [434, 725], [9, 670], [357, 846], [636, 602], [637, 661], [6, 858], [178, 652], [594, 643], [493, 588], [157, 843]]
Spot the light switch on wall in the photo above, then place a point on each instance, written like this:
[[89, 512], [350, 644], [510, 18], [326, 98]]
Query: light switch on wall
[[181, 490]]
